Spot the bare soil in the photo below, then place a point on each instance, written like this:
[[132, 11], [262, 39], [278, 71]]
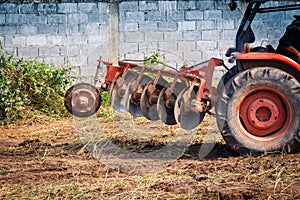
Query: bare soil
[[45, 159]]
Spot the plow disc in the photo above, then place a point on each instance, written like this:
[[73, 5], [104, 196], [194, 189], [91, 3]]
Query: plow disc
[[118, 90], [166, 103], [133, 95], [149, 98], [184, 111]]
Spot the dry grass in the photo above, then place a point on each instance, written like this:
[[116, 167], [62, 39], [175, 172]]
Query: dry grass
[[45, 159]]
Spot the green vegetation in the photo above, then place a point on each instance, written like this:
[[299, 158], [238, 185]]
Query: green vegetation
[[30, 85]]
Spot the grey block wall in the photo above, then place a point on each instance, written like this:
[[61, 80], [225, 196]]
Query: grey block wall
[[76, 34], [68, 34]]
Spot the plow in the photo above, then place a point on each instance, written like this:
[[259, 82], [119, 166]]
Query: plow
[[256, 101]]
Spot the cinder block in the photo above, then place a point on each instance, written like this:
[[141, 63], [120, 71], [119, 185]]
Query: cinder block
[[272, 34], [77, 18], [206, 45], [134, 16], [49, 51], [69, 50], [28, 8], [90, 28], [127, 47], [134, 37], [12, 19], [77, 39], [47, 29], [103, 7], [92, 50], [34, 19], [167, 26], [192, 35], [173, 36], [58, 40], [47, 8], [206, 25], [194, 15], [88, 7], [187, 45], [210, 35], [175, 16], [8, 8], [28, 30], [225, 24], [32, 52], [56, 19], [129, 5], [8, 30], [272, 24], [76, 60], [148, 26], [228, 14], [155, 16], [192, 57], [129, 27], [57, 60], [15, 41], [212, 14], [2, 19], [167, 5], [169, 46], [154, 36], [187, 26], [36, 40], [205, 5], [67, 8], [229, 34], [186, 5], [148, 5]]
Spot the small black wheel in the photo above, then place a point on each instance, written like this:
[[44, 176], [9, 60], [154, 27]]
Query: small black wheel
[[82, 100], [258, 111]]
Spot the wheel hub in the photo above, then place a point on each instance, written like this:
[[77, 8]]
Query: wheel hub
[[262, 113], [83, 100]]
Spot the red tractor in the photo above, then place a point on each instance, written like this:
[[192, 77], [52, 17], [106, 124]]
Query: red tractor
[[257, 101]]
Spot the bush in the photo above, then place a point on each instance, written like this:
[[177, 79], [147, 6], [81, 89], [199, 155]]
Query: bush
[[30, 85]]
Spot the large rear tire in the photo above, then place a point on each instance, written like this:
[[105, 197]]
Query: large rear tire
[[258, 111]]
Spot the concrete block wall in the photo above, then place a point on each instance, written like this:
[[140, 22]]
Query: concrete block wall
[[68, 34], [76, 34], [190, 31]]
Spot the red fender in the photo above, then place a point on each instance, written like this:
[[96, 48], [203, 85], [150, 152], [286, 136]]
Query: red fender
[[267, 58]]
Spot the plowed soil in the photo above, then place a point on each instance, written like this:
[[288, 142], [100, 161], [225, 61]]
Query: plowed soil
[[45, 159]]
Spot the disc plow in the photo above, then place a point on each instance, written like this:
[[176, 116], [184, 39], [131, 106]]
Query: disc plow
[[172, 96]]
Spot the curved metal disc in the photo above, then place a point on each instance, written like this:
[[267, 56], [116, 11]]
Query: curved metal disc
[[183, 115], [82, 100], [117, 93], [133, 94], [149, 99], [165, 106]]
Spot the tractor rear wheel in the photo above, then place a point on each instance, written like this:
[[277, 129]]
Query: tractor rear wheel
[[258, 111]]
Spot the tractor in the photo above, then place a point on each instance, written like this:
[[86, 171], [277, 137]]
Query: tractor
[[256, 102]]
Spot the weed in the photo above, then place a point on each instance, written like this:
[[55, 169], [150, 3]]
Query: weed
[[30, 85]]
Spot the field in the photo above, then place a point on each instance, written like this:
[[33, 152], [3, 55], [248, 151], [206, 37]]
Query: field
[[44, 158]]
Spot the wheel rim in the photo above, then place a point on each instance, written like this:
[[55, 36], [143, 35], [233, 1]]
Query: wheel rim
[[82, 100], [264, 114]]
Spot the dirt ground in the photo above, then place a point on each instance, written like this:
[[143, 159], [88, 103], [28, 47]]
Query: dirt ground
[[45, 159]]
